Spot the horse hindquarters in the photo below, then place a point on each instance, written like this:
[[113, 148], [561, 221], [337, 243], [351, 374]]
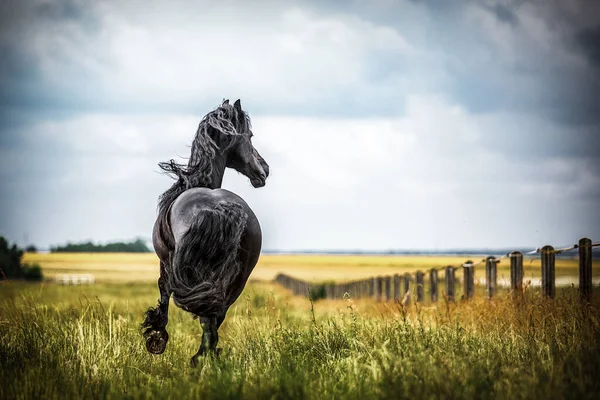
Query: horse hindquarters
[[205, 264]]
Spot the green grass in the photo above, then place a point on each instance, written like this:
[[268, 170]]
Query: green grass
[[84, 342]]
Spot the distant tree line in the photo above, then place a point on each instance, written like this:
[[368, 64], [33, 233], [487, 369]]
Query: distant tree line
[[11, 265], [137, 246]]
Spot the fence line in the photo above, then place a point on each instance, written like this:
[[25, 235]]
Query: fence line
[[398, 287]]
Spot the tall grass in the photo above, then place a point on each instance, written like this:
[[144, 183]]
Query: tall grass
[[66, 342]]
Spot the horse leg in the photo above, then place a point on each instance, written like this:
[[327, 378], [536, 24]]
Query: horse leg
[[210, 337], [157, 318]]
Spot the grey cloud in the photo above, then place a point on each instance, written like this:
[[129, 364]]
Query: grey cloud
[[386, 76], [589, 40], [505, 14]]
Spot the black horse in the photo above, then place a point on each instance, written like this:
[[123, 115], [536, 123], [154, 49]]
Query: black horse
[[207, 239]]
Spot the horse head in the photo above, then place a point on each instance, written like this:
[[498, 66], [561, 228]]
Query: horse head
[[241, 153], [223, 139], [236, 145]]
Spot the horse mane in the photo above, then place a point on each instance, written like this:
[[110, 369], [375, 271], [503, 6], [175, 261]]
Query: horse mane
[[224, 120]]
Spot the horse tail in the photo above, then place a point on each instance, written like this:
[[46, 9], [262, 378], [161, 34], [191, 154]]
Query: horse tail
[[205, 262]]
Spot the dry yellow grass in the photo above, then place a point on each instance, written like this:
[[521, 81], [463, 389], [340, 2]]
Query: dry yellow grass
[[130, 267], [106, 267]]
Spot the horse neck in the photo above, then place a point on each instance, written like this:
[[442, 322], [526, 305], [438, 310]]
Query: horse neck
[[215, 181], [218, 170], [217, 166]]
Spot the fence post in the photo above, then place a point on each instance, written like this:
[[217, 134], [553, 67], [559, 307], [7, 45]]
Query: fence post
[[379, 288], [490, 275], [433, 281], [548, 262], [294, 286], [468, 279], [450, 282], [585, 268], [420, 286], [388, 288], [406, 289], [374, 293], [329, 291], [396, 287], [516, 272]]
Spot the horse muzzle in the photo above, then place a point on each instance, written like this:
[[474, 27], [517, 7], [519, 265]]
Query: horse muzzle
[[259, 181]]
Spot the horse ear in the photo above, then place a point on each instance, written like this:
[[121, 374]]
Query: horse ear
[[238, 105], [226, 102]]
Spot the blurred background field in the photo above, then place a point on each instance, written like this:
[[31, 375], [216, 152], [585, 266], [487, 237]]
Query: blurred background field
[[144, 267]]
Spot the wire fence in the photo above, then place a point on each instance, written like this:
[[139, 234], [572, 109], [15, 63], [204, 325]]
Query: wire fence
[[398, 287]]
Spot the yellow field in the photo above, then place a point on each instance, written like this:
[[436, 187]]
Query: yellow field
[[135, 267]]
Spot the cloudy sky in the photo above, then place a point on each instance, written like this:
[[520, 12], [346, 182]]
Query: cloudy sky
[[387, 124]]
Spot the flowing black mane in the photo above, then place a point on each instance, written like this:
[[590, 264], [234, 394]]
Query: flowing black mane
[[224, 120]]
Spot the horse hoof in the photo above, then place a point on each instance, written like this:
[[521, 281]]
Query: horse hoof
[[156, 342]]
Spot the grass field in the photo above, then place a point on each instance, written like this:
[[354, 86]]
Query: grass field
[[84, 341]]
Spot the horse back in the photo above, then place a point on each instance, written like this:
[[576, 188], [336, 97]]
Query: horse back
[[187, 207]]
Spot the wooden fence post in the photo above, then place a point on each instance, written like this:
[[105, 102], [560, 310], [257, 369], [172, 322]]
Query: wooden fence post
[[585, 268], [433, 281], [516, 272], [450, 282], [329, 291], [490, 275], [406, 294], [374, 293], [362, 288], [420, 286], [548, 271], [388, 288], [396, 287], [379, 288], [468, 279]]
